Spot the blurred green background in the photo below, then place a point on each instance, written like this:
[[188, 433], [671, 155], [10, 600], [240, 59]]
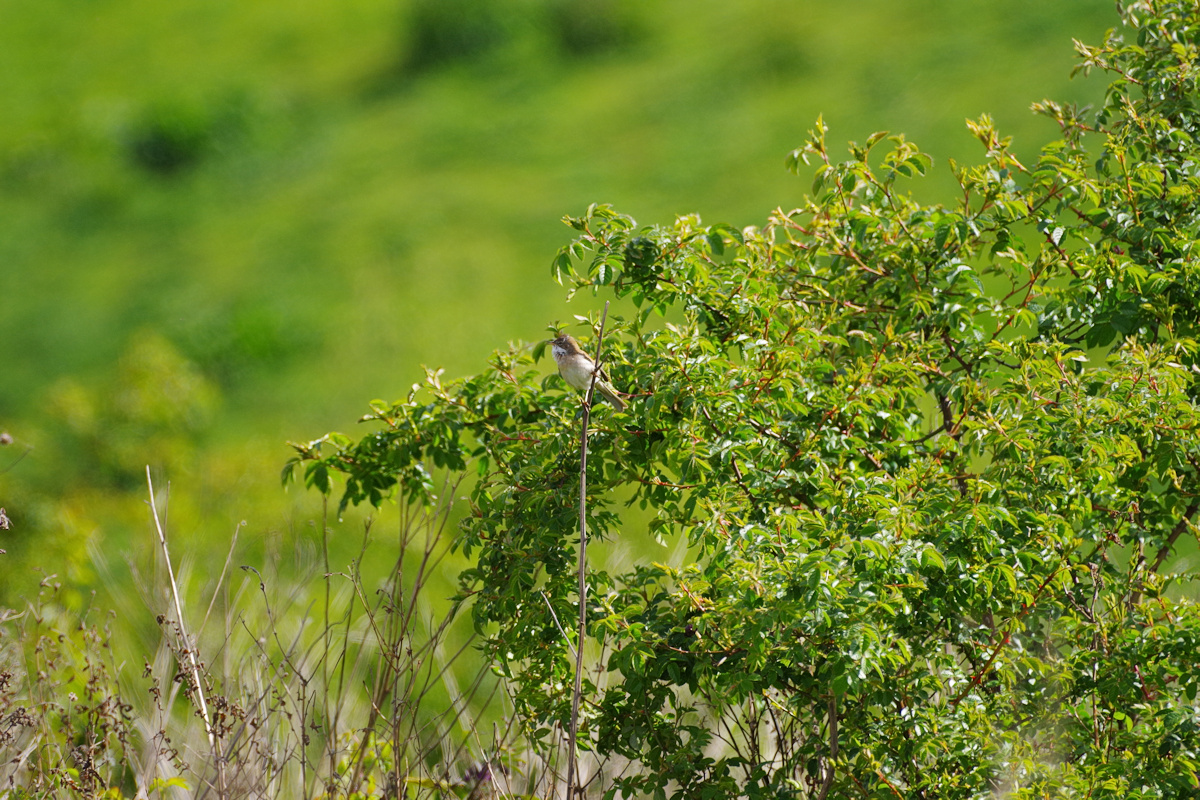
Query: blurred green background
[[224, 224]]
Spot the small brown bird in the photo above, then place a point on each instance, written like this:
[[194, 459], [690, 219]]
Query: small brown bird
[[576, 369]]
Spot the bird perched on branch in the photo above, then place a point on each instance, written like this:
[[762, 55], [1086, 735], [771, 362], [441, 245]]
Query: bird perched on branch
[[576, 369]]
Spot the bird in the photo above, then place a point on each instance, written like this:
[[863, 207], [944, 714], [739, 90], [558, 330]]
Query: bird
[[576, 369]]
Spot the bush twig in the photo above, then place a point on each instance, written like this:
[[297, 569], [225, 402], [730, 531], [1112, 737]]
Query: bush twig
[[577, 692]]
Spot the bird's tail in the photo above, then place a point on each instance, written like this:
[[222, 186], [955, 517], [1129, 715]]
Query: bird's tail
[[611, 396]]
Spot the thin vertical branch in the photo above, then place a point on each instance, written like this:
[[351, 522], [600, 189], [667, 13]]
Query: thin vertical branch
[[577, 693], [189, 646], [331, 729], [833, 748]]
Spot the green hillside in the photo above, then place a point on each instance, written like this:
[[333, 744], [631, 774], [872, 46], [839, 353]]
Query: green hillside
[[224, 225]]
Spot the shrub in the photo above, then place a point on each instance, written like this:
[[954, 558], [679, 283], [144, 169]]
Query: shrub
[[169, 139], [442, 32], [935, 466]]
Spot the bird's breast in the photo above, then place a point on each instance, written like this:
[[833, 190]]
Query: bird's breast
[[575, 372]]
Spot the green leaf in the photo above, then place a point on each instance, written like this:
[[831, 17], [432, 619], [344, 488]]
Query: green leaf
[[932, 559]]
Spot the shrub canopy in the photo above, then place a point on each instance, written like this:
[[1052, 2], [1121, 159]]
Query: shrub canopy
[[936, 465]]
